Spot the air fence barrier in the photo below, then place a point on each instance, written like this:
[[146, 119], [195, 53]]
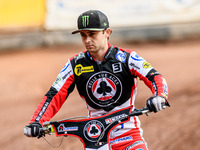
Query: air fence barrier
[[131, 21]]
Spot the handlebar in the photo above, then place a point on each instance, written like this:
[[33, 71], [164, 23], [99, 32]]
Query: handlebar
[[93, 132], [102, 126]]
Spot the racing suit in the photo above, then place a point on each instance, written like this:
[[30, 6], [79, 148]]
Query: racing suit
[[105, 86]]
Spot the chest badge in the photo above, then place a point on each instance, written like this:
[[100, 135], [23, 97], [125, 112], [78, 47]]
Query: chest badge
[[104, 88]]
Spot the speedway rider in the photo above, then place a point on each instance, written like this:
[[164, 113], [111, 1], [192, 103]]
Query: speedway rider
[[106, 78]]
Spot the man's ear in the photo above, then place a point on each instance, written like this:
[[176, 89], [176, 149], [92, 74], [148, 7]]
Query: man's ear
[[108, 32]]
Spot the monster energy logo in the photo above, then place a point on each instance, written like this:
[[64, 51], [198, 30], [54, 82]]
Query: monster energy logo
[[85, 21]]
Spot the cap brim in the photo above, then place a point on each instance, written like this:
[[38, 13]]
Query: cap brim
[[90, 29]]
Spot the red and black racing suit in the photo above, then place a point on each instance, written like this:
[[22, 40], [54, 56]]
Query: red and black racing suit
[[105, 86]]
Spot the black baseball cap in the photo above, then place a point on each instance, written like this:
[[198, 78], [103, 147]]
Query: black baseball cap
[[92, 20]]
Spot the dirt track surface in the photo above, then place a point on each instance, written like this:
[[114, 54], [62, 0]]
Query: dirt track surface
[[27, 75]]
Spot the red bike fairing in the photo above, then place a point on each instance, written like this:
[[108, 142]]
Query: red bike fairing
[[105, 86]]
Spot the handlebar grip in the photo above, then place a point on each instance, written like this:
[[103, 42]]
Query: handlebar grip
[[27, 131], [145, 110], [138, 112], [135, 113]]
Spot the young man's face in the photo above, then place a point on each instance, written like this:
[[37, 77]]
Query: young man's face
[[95, 40]]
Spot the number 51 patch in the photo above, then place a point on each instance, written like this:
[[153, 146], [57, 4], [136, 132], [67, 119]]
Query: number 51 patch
[[117, 67]]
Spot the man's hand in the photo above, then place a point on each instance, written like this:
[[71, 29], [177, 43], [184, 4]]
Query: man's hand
[[154, 103], [32, 130]]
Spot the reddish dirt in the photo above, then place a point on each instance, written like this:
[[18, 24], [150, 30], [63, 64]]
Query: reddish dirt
[[27, 75]]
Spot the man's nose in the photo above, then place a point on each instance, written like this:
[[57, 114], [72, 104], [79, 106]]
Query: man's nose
[[87, 39]]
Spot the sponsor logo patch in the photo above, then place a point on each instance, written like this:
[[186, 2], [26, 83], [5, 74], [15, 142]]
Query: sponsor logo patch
[[80, 55], [121, 56], [146, 65], [136, 57], [46, 104], [65, 67], [132, 64], [79, 69], [112, 119], [65, 76], [62, 128], [58, 79], [123, 139]]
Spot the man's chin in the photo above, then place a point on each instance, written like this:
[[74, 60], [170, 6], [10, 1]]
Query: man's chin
[[91, 50]]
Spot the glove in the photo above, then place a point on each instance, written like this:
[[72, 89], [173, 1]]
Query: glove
[[154, 103], [33, 129]]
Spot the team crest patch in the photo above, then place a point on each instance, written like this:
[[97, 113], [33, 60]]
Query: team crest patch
[[104, 88], [92, 130]]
